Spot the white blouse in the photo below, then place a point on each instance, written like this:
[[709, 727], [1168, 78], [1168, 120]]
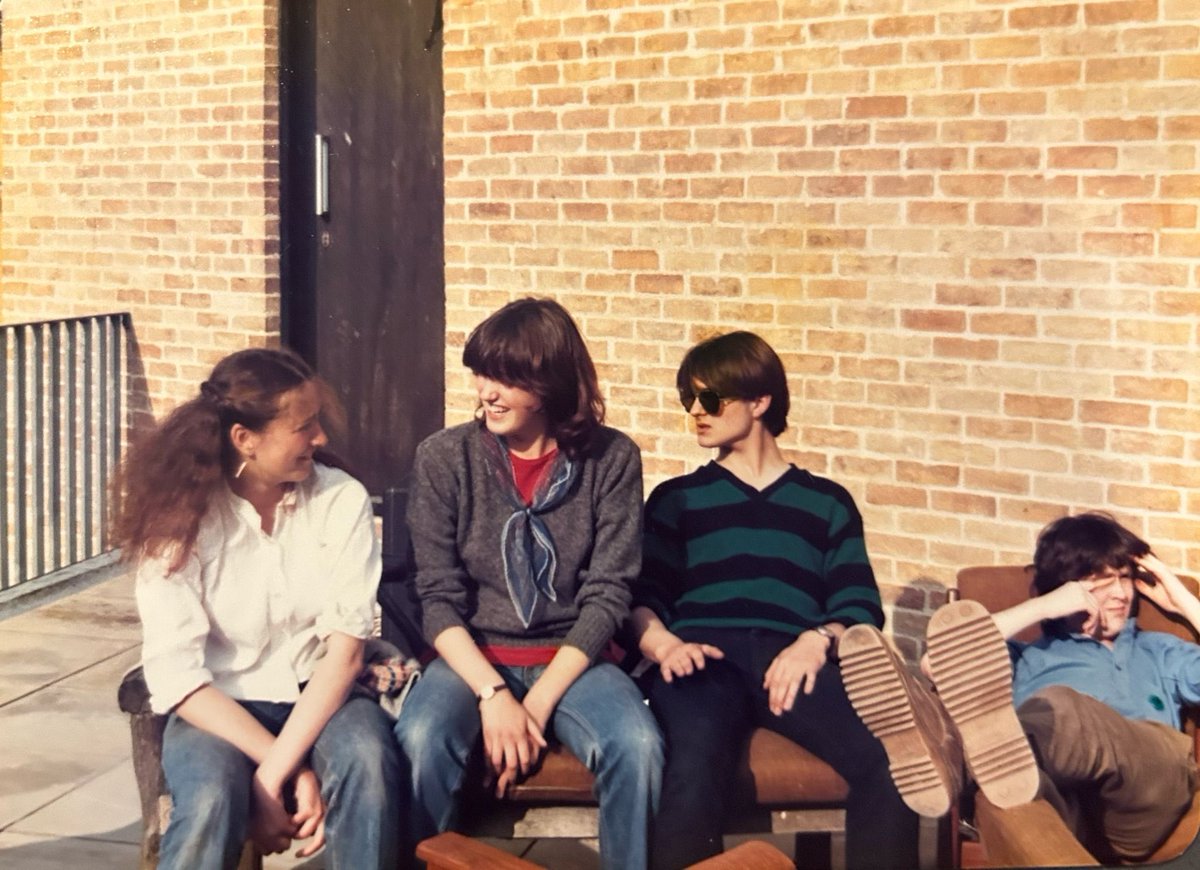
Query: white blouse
[[248, 611]]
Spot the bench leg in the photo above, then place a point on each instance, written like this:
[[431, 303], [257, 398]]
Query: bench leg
[[146, 735], [250, 859]]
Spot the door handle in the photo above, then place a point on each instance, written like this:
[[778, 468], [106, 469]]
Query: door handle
[[320, 175]]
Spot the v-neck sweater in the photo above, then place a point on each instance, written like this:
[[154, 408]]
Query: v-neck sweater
[[719, 553]]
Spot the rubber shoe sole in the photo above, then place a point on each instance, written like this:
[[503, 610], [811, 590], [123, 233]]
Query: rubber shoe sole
[[973, 674], [880, 696]]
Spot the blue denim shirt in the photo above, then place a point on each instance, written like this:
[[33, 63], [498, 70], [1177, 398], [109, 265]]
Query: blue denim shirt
[[1146, 674]]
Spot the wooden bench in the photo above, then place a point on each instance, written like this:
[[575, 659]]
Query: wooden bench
[[784, 790], [451, 851], [780, 787]]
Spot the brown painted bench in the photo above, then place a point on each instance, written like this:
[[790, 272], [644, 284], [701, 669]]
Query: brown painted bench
[[781, 788], [451, 851]]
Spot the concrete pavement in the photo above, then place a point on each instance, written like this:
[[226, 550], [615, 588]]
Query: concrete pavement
[[67, 792], [68, 797]]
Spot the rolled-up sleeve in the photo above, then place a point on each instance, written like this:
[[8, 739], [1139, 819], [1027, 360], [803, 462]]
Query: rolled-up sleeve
[[174, 630], [356, 565]]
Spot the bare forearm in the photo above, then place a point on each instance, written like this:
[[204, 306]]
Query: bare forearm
[[565, 668], [459, 650], [653, 636], [211, 710], [1019, 617], [322, 697], [1190, 610]]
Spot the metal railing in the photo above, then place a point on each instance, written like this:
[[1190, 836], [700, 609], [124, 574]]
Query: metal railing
[[63, 409]]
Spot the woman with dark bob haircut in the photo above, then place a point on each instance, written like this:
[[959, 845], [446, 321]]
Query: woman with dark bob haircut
[[526, 534], [257, 566]]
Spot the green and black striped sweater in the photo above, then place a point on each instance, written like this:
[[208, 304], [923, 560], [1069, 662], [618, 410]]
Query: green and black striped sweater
[[720, 554]]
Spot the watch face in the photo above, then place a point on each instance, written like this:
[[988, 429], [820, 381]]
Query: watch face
[[486, 692]]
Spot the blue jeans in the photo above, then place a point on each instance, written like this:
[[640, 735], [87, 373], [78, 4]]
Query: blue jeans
[[601, 718], [354, 757]]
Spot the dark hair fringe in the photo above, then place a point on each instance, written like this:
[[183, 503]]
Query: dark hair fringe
[[739, 365], [534, 344], [1074, 547]]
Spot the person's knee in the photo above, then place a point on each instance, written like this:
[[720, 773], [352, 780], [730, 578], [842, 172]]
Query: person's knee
[[428, 736], [212, 803], [358, 749], [1051, 714], [207, 777], [637, 745], [644, 740]]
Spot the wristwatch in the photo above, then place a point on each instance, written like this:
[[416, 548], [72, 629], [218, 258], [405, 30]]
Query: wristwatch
[[827, 633], [489, 691]]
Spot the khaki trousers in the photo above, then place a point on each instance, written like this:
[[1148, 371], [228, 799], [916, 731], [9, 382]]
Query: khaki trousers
[[1120, 784]]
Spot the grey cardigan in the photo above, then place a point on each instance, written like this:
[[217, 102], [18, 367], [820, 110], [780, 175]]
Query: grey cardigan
[[456, 511]]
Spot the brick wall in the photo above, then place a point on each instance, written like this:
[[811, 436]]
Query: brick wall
[[140, 154], [969, 227]]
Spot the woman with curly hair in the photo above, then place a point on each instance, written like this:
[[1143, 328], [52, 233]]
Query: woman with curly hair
[[526, 532], [257, 566]]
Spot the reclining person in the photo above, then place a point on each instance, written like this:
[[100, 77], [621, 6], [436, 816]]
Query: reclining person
[[1096, 699]]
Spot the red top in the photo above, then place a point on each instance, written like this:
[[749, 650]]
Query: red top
[[527, 473]]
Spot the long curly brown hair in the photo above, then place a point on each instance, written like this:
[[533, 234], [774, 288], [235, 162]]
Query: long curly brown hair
[[168, 477]]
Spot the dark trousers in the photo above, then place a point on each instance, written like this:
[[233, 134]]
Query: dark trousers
[[706, 719]]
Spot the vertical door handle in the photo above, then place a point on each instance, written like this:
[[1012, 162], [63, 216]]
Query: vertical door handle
[[320, 175]]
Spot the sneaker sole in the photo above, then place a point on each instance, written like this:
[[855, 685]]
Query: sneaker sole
[[881, 700], [973, 674]]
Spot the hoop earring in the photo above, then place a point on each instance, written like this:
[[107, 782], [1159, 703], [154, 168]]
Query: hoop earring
[[240, 469]]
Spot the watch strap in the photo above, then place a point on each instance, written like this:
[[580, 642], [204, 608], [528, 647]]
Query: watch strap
[[490, 691], [827, 633]]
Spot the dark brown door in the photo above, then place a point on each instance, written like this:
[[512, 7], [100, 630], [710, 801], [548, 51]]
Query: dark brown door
[[363, 278]]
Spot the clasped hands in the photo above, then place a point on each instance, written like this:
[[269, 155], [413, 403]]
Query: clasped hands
[[513, 737], [273, 827], [795, 668]]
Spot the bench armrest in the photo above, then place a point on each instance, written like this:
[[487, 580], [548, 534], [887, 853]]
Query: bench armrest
[[1029, 835], [451, 851], [749, 855]]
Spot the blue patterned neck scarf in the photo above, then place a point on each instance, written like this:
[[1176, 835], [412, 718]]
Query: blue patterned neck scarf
[[525, 542]]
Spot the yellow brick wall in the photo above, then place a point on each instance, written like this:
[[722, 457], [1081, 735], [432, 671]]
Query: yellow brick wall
[[140, 158], [970, 228]]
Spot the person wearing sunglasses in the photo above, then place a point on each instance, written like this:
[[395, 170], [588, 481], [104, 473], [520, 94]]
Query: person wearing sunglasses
[[752, 568]]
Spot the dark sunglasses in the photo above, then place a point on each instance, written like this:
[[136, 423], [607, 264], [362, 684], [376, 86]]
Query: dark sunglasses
[[710, 400]]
